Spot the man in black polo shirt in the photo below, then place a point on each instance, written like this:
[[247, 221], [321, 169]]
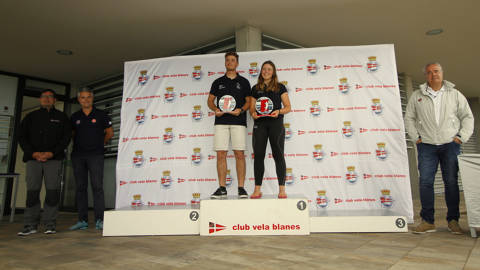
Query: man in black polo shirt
[[92, 129], [44, 135], [232, 92]]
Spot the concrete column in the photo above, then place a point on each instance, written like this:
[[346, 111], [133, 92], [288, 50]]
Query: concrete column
[[248, 38], [408, 85]]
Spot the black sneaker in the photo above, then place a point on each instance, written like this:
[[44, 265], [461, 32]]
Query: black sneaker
[[27, 230], [220, 193], [242, 193], [50, 229]]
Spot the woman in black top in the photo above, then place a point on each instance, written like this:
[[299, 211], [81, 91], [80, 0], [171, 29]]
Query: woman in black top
[[268, 95]]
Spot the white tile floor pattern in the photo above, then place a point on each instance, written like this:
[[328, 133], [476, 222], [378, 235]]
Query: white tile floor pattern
[[89, 250]]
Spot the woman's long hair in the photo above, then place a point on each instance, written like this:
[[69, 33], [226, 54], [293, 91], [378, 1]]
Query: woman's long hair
[[273, 84]]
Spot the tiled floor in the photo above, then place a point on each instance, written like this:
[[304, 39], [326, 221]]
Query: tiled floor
[[89, 250]]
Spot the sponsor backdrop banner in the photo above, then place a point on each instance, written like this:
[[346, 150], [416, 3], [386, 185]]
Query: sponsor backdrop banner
[[345, 140]]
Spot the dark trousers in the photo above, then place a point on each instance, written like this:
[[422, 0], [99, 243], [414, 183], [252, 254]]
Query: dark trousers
[[272, 130], [428, 158], [82, 167], [36, 172]]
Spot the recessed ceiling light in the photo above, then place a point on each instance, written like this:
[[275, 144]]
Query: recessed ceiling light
[[434, 32], [64, 52]]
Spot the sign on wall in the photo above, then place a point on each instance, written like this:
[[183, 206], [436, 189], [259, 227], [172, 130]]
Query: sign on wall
[[345, 140]]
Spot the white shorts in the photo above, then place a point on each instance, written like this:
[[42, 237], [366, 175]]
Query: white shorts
[[222, 137]]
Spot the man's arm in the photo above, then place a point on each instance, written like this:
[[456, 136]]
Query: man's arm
[[108, 134], [211, 105], [411, 119], [66, 136], [244, 108], [465, 115], [23, 139]]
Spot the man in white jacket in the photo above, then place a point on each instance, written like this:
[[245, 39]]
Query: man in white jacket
[[439, 120]]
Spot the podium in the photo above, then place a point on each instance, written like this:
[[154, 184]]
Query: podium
[[266, 216], [232, 216], [357, 221], [152, 220]]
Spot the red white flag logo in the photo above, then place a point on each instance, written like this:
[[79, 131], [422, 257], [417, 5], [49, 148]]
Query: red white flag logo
[[214, 227]]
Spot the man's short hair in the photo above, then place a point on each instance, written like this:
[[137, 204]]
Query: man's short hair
[[429, 64], [233, 54], [49, 90], [84, 89]]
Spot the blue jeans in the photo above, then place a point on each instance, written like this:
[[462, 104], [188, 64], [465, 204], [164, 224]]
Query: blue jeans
[[429, 156]]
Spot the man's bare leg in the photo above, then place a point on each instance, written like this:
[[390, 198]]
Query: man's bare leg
[[222, 168], [240, 164]]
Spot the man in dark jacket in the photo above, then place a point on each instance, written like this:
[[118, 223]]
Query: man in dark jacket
[[44, 136]]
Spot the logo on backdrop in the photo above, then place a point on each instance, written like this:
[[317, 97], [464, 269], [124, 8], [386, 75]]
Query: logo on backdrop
[[169, 95], [137, 200], [166, 180], [347, 129], [253, 70], [168, 136], [228, 179], [197, 72], [288, 131], [289, 177], [312, 66], [196, 156], [322, 200], [318, 153], [343, 87], [376, 106], [372, 64], [143, 79], [214, 227], [140, 117], [351, 176], [386, 199], [195, 198], [138, 159], [381, 153], [197, 114], [315, 108]]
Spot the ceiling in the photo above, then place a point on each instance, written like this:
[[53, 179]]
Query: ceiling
[[104, 34]]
